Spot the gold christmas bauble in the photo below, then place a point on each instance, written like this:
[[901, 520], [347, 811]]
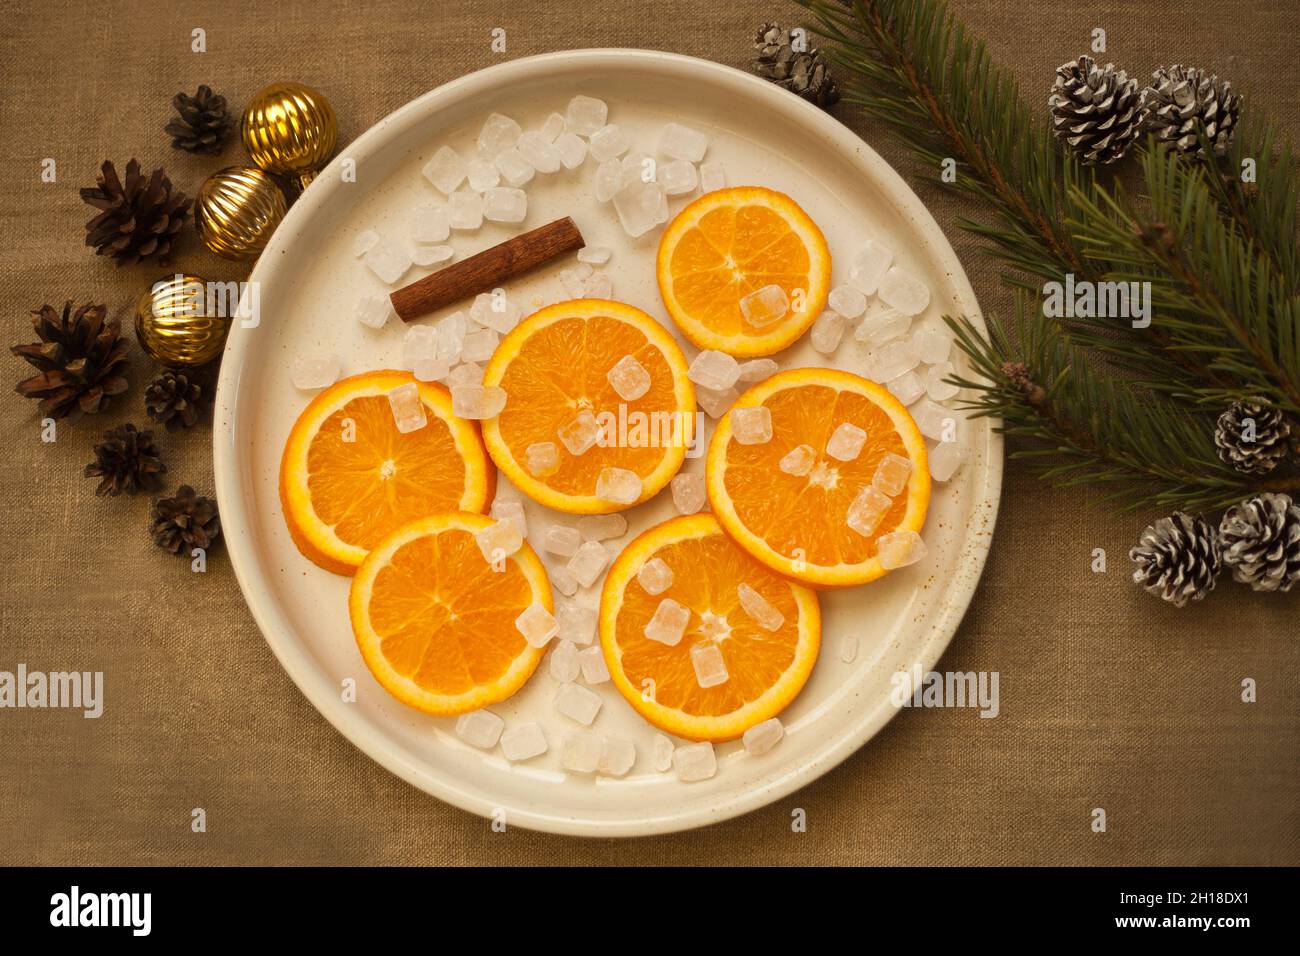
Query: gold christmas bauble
[[236, 211], [182, 319], [289, 129]]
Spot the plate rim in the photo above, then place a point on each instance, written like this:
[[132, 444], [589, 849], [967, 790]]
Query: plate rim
[[237, 519]]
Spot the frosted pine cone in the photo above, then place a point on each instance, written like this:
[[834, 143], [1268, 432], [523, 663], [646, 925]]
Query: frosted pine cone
[[1183, 97], [1178, 559], [1252, 437], [1260, 540], [1096, 110]]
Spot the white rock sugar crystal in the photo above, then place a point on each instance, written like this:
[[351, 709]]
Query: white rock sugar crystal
[[553, 127], [602, 527], [591, 661], [757, 370], [429, 224], [765, 615], [495, 311], [431, 255], [523, 742], [709, 663], [465, 210], [882, 325], [640, 206], [467, 374], [609, 179], [594, 255], [575, 279], [669, 623], [892, 474], [694, 762], [505, 204], [682, 142], [898, 549], [715, 402], [477, 402], [678, 177], [847, 301], [580, 434], [629, 378], [451, 335], [618, 485], [373, 310], [616, 757], [935, 421], [408, 408], [577, 623], [890, 360], [904, 291], [907, 387], [663, 753], [608, 142], [639, 167], [511, 511], [688, 493], [572, 149], [826, 332], [479, 345], [587, 563], [387, 262], [562, 540], [846, 442], [932, 343], [945, 459], [310, 372], [866, 510], [480, 728], [539, 152], [364, 242], [599, 286], [419, 342], [869, 266], [482, 174], [564, 662], [712, 176], [446, 170], [848, 648], [563, 581], [581, 752], [936, 386], [585, 115], [498, 133], [536, 624], [498, 540], [798, 461], [542, 459], [430, 369], [765, 306], [714, 369], [751, 426], [761, 738], [655, 576], [512, 166], [577, 703]]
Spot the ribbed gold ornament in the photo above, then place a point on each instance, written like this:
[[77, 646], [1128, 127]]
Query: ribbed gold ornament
[[289, 129], [179, 322], [236, 211]]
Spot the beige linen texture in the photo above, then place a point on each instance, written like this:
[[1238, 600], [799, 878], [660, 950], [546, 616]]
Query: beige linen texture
[[1109, 698]]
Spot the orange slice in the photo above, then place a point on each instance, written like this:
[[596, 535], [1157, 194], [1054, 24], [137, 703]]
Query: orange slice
[[553, 367], [348, 477], [766, 669], [730, 243], [435, 622], [797, 524]]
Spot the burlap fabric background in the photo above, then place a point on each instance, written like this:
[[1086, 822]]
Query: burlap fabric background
[[1109, 698]]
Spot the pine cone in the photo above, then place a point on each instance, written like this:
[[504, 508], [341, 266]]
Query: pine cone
[[177, 398], [1096, 110], [203, 122], [1183, 98], [1178, 559], [126, 460], [1260, 539], [1252, 437], [138, 219], [81, 358], [803, 73], [185, 521]]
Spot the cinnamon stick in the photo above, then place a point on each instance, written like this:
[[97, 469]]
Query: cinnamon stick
[[487, 270]]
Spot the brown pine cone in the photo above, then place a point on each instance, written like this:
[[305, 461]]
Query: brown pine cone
[[126, 460], [203, 122], [177, 398], [80, 359], [185, 521], [139, 218]]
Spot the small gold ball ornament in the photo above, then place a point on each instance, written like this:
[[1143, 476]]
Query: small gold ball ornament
[[289, 129], [236, 211], [179, 320]]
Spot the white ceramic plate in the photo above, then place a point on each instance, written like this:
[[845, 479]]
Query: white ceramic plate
[[309, 282]]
